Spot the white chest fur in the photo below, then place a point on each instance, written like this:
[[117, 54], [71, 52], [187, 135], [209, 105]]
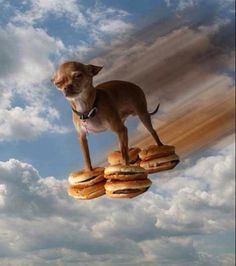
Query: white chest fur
[[92, 125]]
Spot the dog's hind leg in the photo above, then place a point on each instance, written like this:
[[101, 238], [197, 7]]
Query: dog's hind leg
[[145, 117], [122, 133], [146, 120]]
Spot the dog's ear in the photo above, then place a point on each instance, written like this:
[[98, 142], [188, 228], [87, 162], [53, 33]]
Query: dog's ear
[[53, 78], [94, 70]]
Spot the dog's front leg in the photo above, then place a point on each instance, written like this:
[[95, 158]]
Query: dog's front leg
[[117, 126], [122, 133], [85, 150]]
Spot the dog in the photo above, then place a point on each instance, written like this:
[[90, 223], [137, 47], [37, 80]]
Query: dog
[[106, 106]]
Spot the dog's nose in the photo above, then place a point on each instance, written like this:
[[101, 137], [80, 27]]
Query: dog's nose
[[69, 87]]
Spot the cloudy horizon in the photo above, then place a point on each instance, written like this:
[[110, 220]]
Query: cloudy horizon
[[182, 54]]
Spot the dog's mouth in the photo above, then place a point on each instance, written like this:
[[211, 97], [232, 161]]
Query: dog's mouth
[[71, 93], [71, 97]]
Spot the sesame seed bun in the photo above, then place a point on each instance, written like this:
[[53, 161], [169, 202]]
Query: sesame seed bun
[[115, 157], [155, 151]]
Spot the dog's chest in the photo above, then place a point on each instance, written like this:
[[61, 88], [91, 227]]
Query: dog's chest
[[91, 125]]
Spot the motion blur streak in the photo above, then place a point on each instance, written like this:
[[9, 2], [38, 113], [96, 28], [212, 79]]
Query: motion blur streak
[[190, 75]]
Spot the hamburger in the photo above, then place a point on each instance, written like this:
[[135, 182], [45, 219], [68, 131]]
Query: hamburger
[[115, 157], [125, 181], [125, 172], [158, 158], [83, 179], [91, 192], [127, 189]]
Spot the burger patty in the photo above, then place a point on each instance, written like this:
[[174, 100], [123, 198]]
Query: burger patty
[[126, 173], [166, 163], [129, 190], [125, 191], [88, 179], [156, 156], [134, 160]]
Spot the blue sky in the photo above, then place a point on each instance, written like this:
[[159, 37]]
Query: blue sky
[[61, 28], [64, 146], [187, 215]]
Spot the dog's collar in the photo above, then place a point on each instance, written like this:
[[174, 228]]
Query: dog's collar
[[86, 115]]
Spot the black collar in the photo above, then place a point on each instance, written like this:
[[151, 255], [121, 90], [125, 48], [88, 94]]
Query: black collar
[[87, 115]]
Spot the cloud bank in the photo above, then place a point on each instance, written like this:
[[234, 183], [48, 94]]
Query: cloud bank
[[40, 224], [25, 70]]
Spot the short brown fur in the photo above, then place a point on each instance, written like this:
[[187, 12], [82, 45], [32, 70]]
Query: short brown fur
[[115, 101]]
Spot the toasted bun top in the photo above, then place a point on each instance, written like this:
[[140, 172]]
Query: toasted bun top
[[156, 151], [115, 157], [119, 185], [80, 176], [113, 169]]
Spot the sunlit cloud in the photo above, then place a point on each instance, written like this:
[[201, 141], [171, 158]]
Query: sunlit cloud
[[25, 74], [194, 199]]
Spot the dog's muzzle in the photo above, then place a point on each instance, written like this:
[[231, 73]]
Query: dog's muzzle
[[69, 90]]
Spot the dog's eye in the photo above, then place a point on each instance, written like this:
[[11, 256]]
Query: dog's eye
[[77, 75], [59, 83]]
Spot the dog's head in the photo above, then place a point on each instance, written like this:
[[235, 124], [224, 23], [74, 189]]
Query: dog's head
[[74, 78]]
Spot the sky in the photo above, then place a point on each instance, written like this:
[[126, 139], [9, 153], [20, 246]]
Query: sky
[[182, 54]]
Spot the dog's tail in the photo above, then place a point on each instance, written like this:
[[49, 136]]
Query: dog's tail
[[155, 111]]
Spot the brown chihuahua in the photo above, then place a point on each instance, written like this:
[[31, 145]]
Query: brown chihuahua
[[103, 107]]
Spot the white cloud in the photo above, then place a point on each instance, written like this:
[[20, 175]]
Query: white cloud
[[183, 4], [186, 3], [114, 26], [28, 122], [3, 193], [201, 196], [42, 9], [5, 98], [108, 21], [42, 225], [98, 20], [25, 73], [182, 252], [170, 251], [25, 55]]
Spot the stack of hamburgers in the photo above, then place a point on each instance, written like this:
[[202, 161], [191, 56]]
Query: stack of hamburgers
[[158, 158], [125, 181], [87, 184]]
